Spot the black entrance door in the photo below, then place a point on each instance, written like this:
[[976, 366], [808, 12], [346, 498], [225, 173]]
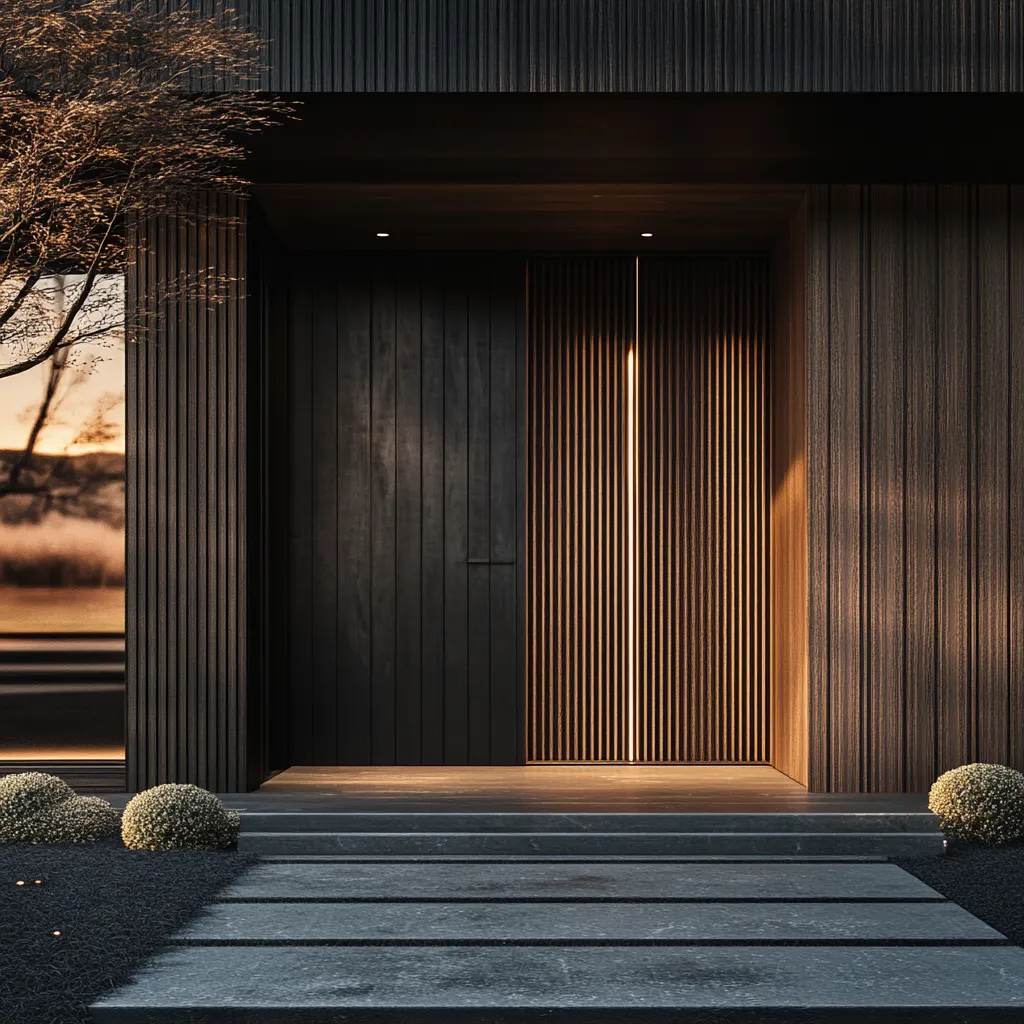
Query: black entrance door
[[402, 575]]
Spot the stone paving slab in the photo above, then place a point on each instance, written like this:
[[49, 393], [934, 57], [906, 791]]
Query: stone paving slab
[[892, 844], [652, 881], [575, 922], [355, 821], [264, 981]]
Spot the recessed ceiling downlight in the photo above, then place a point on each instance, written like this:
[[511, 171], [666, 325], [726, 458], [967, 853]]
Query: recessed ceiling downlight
[[383, 234], [646, 234]]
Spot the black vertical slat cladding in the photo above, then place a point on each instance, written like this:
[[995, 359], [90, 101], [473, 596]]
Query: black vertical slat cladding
[[456, 428], [641, 46], [349, 308], [408, 515], [432, 489], [298, 487], [478, 524], [382, 520], [325, 366], [163, 335], [170, 412]]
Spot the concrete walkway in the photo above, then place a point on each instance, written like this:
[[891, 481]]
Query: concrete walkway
[[626, 939]]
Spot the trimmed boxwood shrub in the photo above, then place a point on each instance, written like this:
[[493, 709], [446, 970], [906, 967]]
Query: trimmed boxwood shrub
[[40, 808], [178, 816], [980, 802]]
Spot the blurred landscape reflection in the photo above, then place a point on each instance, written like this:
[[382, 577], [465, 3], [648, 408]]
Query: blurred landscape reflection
[[62, 560]]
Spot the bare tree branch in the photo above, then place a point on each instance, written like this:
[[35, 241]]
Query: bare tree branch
[[110, 114]]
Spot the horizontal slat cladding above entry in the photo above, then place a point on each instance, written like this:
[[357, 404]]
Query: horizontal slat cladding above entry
[[638, 45]]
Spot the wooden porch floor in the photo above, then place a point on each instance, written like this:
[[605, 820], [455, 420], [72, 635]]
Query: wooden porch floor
[[609, 788]]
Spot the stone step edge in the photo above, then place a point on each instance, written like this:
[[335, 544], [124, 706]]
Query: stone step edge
[[605, 835], [626, 823], [581, 858]]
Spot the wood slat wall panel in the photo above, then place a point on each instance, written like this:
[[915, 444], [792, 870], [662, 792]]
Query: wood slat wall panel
[[788, 515], [640, 46], [403, 425], [187, 618], [702, 320], [921, 485], [1015, 454], [914, 342], [819, 427], [698, 646], [581, 324]]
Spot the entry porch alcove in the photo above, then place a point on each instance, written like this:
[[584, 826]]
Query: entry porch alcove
[[535, 448]]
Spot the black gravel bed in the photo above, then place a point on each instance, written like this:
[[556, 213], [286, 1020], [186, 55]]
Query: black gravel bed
[[986, 880], [114, 909]]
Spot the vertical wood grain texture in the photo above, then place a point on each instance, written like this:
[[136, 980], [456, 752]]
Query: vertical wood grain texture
[[701, 577], [819, 425], [789, 556], [956, 340], [187, 492], [1015, 454], [846, 442], [710, 313], [921, 486], [580, 327], [914, 343], [885, 432], [403, 417], [640, 46]]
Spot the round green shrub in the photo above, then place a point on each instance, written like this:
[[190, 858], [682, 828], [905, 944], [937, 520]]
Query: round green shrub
[[40, 808], [82, 819], [980, 802], [178, 816], [27, 793]]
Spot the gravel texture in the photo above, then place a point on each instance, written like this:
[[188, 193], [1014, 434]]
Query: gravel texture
[[986, 880], [113, 907]]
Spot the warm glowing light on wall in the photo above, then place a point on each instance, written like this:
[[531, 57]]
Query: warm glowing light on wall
[[631, 374], [630, 539]]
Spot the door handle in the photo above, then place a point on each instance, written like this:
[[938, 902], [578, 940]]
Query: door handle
[[486, 561]]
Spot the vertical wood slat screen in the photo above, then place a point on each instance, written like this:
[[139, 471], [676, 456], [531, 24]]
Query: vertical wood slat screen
[[581, 316], [700, 585], [702, 564]]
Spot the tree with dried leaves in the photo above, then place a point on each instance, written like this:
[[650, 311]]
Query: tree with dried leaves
[[111, 113]]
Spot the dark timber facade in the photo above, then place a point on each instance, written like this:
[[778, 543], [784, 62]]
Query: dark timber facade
[[518, 484]]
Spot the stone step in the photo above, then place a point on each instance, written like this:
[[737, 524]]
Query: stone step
[[443, 882], [586, 922], [884, 843], [527, 858], [598, 823], [572, 985]]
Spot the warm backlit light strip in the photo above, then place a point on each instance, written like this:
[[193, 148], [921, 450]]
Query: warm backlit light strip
[[630, 537], [631, 518]]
